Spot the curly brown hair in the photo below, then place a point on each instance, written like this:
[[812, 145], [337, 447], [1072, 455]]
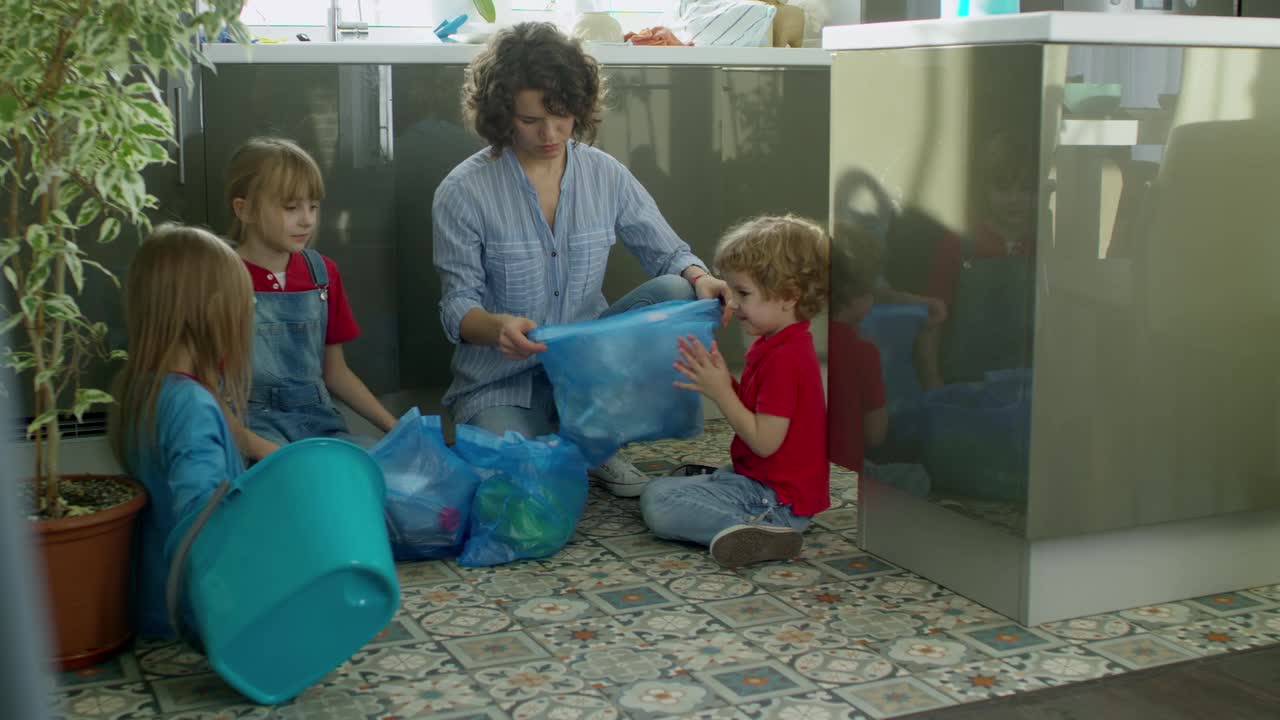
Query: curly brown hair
[[787, 256], [532, 56]]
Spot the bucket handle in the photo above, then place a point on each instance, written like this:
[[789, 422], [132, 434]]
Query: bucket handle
[[178, 566]]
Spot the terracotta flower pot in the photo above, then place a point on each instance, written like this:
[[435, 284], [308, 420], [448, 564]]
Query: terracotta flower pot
[[88, 562]]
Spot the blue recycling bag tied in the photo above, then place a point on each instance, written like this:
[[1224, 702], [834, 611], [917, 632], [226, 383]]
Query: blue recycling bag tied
[[613, 377], [429, 489], [531, 495]]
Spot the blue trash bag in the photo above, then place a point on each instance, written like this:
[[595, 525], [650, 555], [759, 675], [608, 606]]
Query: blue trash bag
[[893, 330], [613, 377], [977, 439], [429, 489], [530, 498]]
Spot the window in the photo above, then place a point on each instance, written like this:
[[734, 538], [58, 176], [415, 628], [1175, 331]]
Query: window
[[419, 13]]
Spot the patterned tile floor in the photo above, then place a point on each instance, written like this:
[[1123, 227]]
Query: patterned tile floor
[[622, 625]]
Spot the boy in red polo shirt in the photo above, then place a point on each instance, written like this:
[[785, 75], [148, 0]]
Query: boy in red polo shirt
[[757, 509]]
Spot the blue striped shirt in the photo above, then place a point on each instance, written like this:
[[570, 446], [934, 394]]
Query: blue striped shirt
[[494, 250]]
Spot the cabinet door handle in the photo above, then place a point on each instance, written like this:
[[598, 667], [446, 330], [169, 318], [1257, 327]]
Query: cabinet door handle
[[175, 103]]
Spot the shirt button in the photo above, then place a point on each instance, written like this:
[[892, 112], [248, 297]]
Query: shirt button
[[557, 293], [553, 253], [275, 287]]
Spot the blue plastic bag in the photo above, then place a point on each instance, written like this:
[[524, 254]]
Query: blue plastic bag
[[978, 436], [429, 489], [613, 377], [893, 329], [530, 498]]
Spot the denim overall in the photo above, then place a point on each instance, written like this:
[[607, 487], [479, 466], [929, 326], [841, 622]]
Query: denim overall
[[288, 400]]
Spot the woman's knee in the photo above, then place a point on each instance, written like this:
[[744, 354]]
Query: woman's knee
[[666, 288]]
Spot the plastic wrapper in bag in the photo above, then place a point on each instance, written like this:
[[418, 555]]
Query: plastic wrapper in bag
[[429, 489], [530, 498], [613, 376]]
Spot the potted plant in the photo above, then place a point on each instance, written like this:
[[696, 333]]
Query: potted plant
[[80, 117]]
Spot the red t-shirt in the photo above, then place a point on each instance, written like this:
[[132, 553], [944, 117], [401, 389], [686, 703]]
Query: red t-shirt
[[297, 278], [783, 378], [855, 387], [987, 243]]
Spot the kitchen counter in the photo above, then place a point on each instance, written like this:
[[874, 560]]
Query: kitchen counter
[[1104, 436], [1059, 27], [366, 53]]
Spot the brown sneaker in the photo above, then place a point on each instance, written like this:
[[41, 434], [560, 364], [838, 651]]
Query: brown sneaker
[[740, 545]]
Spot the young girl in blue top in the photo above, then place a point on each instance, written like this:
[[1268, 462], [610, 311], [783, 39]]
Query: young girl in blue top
[[189, 312], [301, 313]]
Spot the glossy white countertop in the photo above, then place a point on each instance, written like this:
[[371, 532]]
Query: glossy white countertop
[[365, 53], [1060, 27]]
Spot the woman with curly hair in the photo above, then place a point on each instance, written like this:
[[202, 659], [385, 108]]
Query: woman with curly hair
[[522, 232]]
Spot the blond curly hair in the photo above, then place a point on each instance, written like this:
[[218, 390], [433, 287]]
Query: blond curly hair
[[786, 256]]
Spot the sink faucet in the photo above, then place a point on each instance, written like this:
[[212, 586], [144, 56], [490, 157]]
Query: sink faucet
[[337, 29]]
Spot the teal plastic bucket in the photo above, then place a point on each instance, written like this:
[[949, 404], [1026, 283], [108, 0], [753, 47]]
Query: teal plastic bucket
[[293, 572]]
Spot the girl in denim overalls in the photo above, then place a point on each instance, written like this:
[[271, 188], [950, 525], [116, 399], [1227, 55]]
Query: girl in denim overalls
[[301, 315]]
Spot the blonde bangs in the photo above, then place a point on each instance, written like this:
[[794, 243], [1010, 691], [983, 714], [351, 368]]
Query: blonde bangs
[[285, 177]]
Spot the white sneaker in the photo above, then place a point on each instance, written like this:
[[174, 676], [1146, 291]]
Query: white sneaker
[[620, 477]]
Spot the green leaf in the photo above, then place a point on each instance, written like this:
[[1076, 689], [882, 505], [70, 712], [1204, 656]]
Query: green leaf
[[8, 108], [8, 248], [109, 231], [76, 267], [46, 376], [8, 323], [62, 307], [88, 212], [88, 397], [20, 362], [48, 417], [37, 277], [107, 273], [38, 237], [486, 10], [118, 355], [12, 276], [30, 305]]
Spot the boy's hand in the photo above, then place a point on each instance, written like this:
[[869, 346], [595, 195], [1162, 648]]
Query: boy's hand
[[706, 370]]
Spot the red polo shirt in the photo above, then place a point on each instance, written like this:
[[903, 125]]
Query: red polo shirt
[[297, 278], [855, 387], [783, 378]]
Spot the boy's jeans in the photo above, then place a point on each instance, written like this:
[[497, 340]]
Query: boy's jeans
[[696, 508]]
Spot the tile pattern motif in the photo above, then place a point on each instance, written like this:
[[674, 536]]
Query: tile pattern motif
[[621, 624]]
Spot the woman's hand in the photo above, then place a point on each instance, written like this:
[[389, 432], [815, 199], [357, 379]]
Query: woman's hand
[[705, 369], [513, 338], [707, 286]]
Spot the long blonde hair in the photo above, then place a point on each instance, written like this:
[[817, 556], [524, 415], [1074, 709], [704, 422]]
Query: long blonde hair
[[186, 292], [267, 170]]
